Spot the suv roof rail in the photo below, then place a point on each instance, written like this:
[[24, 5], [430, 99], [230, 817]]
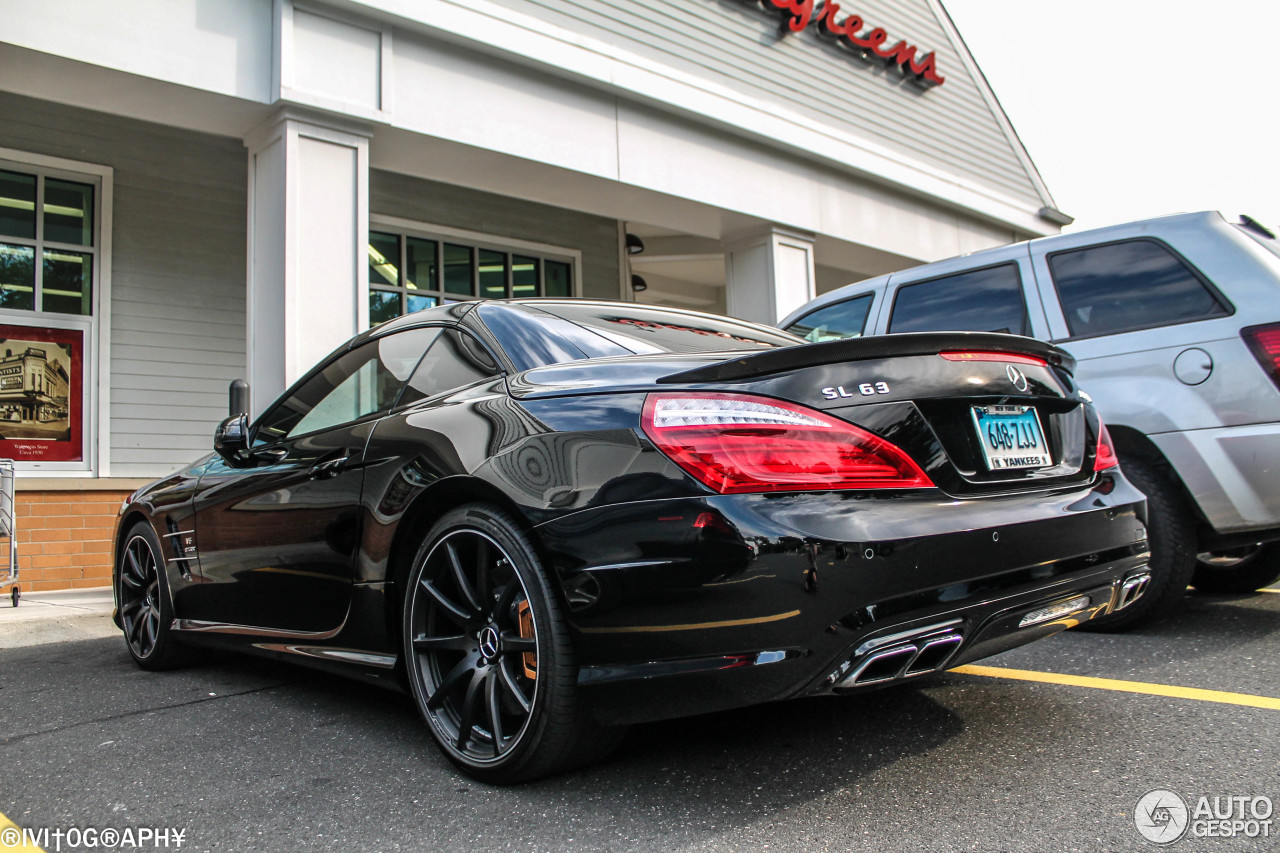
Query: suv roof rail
[[1256, 226]]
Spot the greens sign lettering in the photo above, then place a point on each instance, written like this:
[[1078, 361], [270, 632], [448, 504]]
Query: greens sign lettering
[[852, 31]]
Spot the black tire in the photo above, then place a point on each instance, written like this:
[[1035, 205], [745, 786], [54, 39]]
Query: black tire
[[1239, 570], [1171, 533], [503, 706], [146, 611]]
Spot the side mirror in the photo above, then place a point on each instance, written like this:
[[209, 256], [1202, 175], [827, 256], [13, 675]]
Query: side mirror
[[231, 440]]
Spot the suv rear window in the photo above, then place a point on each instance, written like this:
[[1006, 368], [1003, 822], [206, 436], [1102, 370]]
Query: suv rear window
[[847, 319], [1136, 284], [985, 300]]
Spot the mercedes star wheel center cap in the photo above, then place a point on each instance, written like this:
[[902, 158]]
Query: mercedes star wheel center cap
[[489, 642]]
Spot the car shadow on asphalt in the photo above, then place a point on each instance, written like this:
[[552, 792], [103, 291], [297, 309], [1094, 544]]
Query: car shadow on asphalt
[[736, 766], [241, 744]]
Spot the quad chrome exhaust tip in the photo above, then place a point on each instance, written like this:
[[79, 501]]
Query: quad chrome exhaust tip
[[901, 656], [1132, 589]]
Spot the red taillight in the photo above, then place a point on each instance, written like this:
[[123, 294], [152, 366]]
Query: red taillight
[[738, 443], [1106, 456], [712, 521], [957, 355], [1265, 343]]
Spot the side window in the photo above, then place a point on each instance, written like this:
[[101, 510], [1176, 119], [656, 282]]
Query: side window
[[846, 319], [454, 361], [985, 300], [365, 380], [1132, 285]]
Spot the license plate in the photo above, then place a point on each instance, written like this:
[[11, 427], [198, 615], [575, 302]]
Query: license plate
[[1011, 437]]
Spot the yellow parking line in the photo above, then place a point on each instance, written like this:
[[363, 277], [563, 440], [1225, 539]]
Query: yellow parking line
[[1277, 591], [10, 831], [1196, 693]]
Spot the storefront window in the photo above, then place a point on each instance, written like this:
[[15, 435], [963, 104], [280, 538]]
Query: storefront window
[[559, 279], [408, 273], [457, 270], [47, 246], [51, 268], [524, 276], [493, 274]]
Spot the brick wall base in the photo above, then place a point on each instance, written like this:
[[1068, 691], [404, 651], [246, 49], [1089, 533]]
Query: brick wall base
[[64, 538]]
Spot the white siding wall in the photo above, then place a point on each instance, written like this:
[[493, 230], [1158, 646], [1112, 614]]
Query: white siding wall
[[221, 46], [178, 272], [736, 44]]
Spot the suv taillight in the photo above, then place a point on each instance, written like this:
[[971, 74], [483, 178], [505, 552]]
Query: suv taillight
[[1265, 343], [736, 443]]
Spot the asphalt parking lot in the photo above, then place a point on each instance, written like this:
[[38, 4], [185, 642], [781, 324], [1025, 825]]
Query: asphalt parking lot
[[243, 754]]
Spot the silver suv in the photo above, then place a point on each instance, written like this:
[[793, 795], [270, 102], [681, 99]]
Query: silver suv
[[1175, 325]]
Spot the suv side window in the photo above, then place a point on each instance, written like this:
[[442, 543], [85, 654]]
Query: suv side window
[[360, 382], [1135, 284], [985, 300], [847, 319], [455, 360]]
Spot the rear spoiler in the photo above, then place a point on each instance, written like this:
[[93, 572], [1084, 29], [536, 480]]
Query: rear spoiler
[[863, 349]]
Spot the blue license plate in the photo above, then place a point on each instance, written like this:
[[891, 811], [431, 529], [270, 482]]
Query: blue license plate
[[1011, 437]]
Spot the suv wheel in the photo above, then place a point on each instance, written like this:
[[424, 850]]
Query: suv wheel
[[1171, 532], [1238, 569]]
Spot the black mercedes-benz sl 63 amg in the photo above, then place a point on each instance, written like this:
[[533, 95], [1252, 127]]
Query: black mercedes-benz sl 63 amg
[[547, 519]]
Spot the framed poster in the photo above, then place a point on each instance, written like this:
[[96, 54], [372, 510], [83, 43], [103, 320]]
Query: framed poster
[[41, 394]]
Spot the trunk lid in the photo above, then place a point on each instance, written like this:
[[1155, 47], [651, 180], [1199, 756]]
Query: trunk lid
[[933, 395]]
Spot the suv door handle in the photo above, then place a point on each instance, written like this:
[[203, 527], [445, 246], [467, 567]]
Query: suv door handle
[[328, 468]]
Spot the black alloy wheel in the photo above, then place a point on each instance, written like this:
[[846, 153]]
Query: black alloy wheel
[[487, 654], [140, 596], [142, 593]]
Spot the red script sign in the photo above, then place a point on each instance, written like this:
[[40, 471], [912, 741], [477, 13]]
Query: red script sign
[[798, 15]]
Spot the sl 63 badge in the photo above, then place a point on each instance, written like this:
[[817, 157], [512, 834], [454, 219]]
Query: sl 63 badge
[[866, 389]]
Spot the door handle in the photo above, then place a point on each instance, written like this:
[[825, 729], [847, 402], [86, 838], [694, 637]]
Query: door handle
[[328, 468]]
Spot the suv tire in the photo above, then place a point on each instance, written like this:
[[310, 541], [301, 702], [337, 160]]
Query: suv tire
[[1254, 569], [1171, 532]]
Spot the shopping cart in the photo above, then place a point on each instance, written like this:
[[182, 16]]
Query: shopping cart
[[8, 533]]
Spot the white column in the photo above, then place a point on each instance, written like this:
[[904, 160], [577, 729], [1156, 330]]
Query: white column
[[308, 275], [768, 274]]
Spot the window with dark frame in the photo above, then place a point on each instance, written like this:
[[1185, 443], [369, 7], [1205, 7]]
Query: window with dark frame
[[408, 273], [1130, 285], [48, 242], [845, 319], [982, 300], [360, 382]]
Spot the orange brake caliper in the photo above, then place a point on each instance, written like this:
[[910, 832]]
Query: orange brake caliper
[[524, 616]]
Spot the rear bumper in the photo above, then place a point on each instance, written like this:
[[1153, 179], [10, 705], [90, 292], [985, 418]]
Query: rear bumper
[[682, 606], [1233, 473], [977, 632]]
